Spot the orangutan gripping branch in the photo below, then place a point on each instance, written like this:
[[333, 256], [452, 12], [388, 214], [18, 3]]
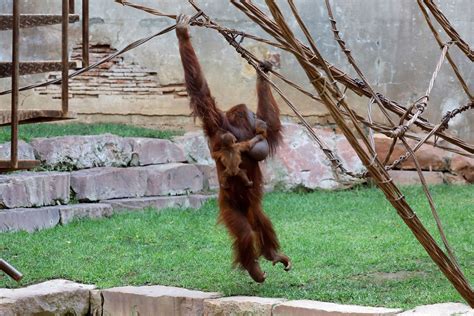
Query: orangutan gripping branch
[[240, 205]]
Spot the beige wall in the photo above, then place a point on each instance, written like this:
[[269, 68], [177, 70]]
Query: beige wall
[[389, 39]]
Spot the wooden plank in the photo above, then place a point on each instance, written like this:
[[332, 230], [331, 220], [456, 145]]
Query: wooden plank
[[35, 116], [6, 165], [34, 20], [34, 67]]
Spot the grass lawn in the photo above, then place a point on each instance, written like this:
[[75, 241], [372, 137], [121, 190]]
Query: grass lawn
[[347, 247], [29, 131]]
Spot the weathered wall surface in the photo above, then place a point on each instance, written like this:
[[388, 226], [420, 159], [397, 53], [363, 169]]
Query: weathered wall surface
[[390, 39]]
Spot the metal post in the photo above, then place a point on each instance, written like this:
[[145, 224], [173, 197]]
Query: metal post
[[85, 33], [15, 86], [65, 58]]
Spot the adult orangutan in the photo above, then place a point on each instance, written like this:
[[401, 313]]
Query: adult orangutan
[[240, 206]]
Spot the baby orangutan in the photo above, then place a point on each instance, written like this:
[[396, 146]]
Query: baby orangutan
[[230, 153]]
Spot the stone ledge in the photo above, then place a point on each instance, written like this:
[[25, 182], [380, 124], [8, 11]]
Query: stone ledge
[[443, 309], [154, 300], [29, 219], [159, 202], [33, 189], [316, 308], [241, 305], [114, 183], [56, 297], [69, 213]]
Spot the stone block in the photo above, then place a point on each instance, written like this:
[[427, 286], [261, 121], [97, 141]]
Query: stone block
[[71, 212], [29, 219], [442, 309], [430, 158], [33, 189], [241, 306], [158, 202], [55, 297], [309, 308], [25, 151], [112, 183], [81, 152], [151, 151], [154, 300], [209, 172], [463, 166], [195, 147], [95, 303], [410, 177]]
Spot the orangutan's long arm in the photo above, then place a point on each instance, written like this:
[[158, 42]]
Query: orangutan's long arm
[[268, 110], [201, 101]]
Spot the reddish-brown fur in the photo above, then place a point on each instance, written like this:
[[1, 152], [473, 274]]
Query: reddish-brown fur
[[240, 206]]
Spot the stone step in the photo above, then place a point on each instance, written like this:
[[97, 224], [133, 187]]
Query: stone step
[[34, 189], [55, 297], [34, 20], [307, 307], [241, 305], [82, 152], [34, 67], [159, 202], [150, 300], [442, 309], [114, 183], [33, 219]]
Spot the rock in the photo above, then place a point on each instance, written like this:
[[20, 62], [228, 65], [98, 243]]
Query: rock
[[430, 158], [158, 202], [443, 309], [81, 152], [112, 183], [95, 303], [298, 163], [154, 300], [209, 172], [305, 307], [71, 212], [151, 151], [348, 156], [464, 167], [195, 147], [56, 297], [406, 177], [33, 189], [25, 151], [29, 219], [454, 179], [240, 305]]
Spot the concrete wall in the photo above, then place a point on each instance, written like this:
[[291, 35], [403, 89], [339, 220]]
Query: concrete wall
[[390, 40]]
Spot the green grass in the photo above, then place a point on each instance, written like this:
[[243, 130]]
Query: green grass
[[346, 247], [29, 131]]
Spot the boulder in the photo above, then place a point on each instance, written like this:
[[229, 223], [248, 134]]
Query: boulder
[[463, 166], [241, 305], [209, 172], [152, 151], [195, 147], [55, 297], [305, 307], [154, 300], [34, 189], [25, 151], [430, 158], [112, 183]]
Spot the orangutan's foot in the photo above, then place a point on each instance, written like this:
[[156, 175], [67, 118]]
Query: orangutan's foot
[[256, 272]]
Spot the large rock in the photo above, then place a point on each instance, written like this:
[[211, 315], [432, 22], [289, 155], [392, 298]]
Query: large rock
[[152, 151], [443, 309], [80, 152], [299, 162], [29, 219], [33, 189], [195, 147], [56, 297], [309, 308], [241, 305], [112, 183], [71, 212], [410, 177], [464, 167], [430, 158], [209, 172], [25, 151], [159, 202], [153, 300]]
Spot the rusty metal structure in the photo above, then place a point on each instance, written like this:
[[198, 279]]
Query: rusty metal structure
[[14, 69]]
